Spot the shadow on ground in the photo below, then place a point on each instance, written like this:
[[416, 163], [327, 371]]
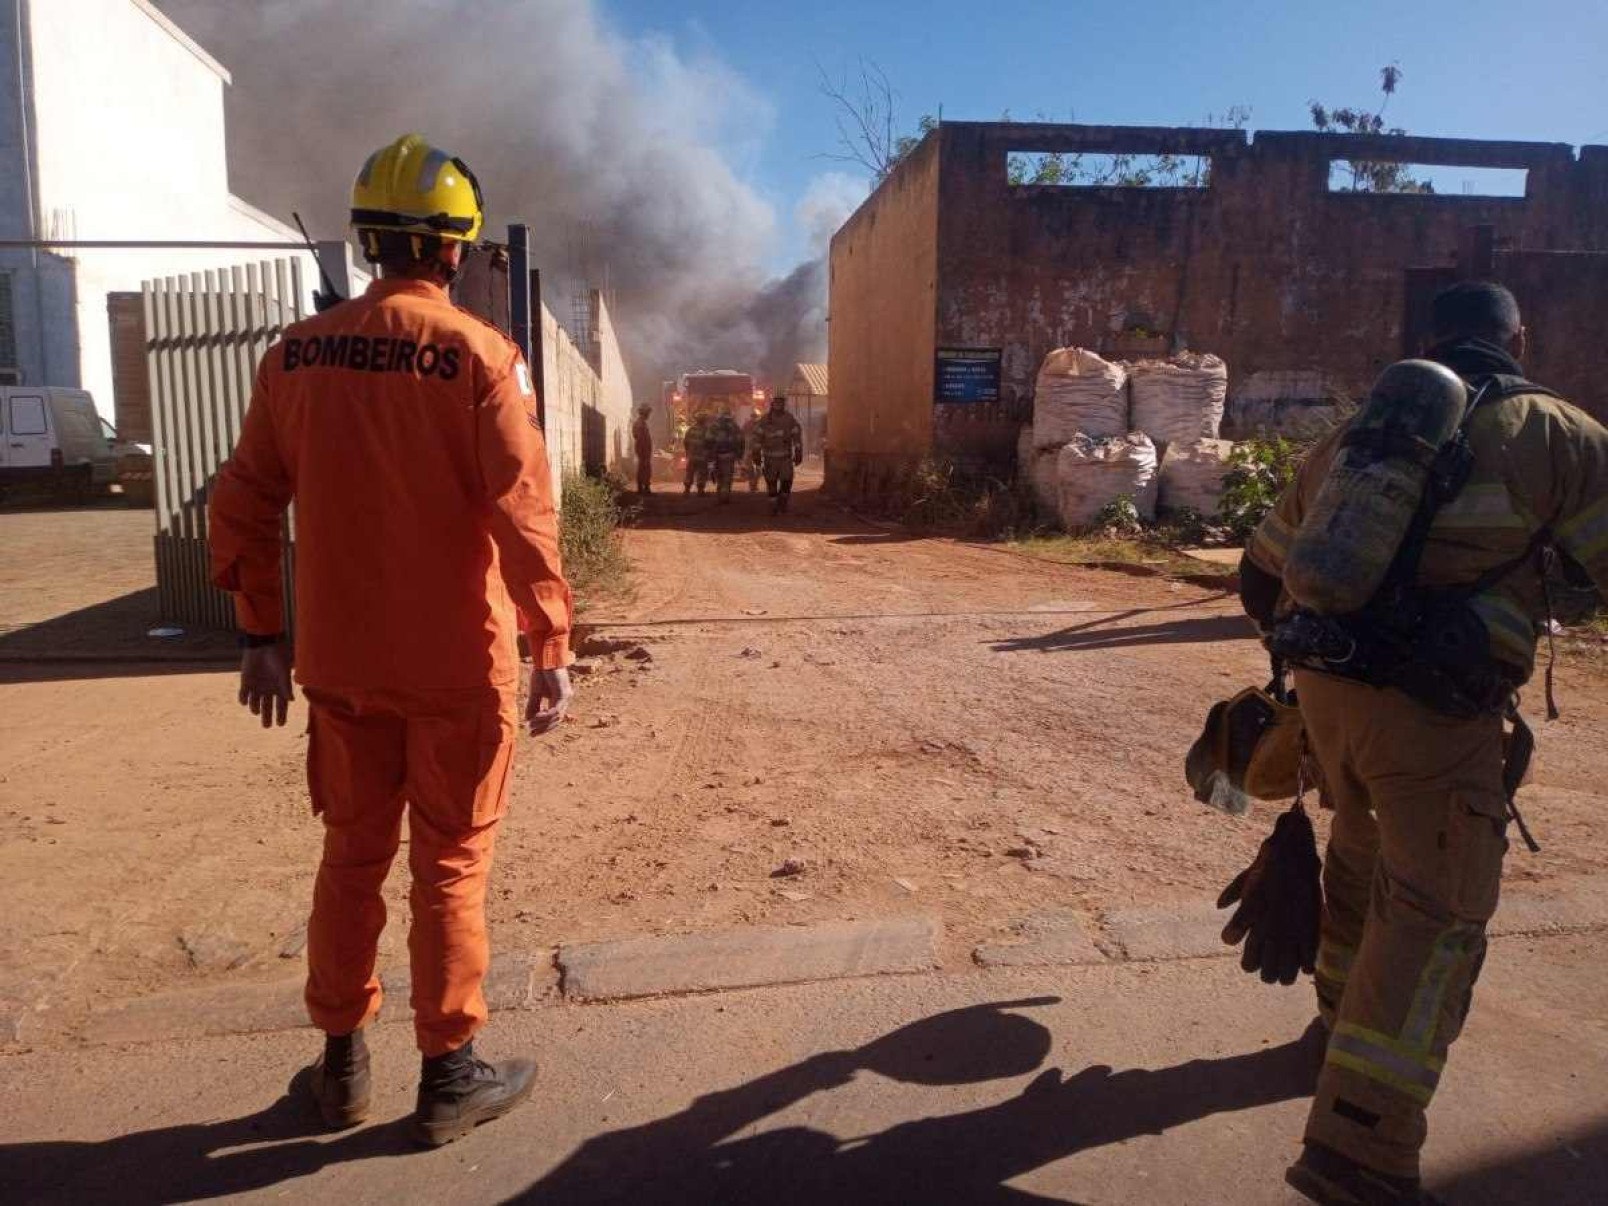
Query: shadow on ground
[[810, 511], [279, 1143], [35, 500], [1572, 1169], [712, 1152], [696, 1156], [108, 640], [1108, 632]]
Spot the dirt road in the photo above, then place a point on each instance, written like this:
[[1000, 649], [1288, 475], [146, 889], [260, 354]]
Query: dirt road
[[792, 721]]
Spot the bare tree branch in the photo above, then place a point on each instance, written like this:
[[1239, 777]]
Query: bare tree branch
[[866, 119]]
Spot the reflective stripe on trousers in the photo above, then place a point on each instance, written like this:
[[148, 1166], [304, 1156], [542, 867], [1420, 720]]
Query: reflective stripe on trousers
[[1410, 878]]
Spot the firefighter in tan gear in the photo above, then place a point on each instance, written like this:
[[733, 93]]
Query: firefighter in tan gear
[[695, 443], [1417, 782], [405, 432], [725, 448], [642, 446], [751, 451], [779, 450]]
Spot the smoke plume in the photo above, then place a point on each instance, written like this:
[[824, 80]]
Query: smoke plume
[[617, 152]]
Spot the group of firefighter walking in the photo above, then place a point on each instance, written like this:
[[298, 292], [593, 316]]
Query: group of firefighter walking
[[769, 445]]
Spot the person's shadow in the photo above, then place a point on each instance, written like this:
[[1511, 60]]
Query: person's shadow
[[692, 1157], [278, 1143]]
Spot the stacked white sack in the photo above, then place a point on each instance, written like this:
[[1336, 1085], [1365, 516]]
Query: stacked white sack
[[1179, 400], [1078, 392], [1094, 473], [1192, 475]]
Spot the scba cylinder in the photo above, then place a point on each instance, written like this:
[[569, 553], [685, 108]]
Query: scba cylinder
[[1351, 533]]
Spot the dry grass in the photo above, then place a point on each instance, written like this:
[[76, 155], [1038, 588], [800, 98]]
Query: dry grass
[[589, 538], [1123, 554]]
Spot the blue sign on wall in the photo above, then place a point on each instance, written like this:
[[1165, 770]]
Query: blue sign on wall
[[966, 375]]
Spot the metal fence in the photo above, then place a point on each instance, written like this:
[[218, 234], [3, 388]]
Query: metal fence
[[206, 331]]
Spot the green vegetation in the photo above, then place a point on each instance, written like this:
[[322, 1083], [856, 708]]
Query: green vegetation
[[589, 538], [1259, 470], [1119, 517], [1361, 176]]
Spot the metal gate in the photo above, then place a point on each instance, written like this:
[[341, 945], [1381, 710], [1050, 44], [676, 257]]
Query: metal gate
[[206, 331], [131, 385]]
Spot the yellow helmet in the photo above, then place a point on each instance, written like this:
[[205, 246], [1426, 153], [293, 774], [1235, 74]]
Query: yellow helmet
[[411, 187]]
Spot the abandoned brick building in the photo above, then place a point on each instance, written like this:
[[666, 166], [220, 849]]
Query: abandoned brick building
[[951, 283]]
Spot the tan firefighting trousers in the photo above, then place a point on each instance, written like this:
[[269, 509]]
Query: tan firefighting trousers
[[725, 470], [445, 755], [1410, 879]]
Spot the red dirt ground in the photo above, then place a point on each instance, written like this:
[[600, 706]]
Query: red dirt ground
[[911, 724]]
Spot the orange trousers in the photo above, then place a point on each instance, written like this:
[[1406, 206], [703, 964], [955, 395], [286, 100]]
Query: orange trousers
[[445, 757]]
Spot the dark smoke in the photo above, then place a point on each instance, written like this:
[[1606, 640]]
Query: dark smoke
[[610, 149]]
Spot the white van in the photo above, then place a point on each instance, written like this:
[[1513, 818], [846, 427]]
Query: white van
[[51, 436]]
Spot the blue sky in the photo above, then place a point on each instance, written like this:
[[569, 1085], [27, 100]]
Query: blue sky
[[1474, 68]]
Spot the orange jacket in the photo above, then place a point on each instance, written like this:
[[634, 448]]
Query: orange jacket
[[405, 430]]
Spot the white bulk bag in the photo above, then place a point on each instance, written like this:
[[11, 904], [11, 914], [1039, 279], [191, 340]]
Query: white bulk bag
[[1078, 391], [1192, 475], [1093, 473], [1180, 399]]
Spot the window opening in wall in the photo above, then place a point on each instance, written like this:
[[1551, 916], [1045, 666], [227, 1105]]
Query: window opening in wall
[[1086, 169], [1425, 179]]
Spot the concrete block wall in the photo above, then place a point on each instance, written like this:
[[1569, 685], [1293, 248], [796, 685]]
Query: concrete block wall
[[584, 386]]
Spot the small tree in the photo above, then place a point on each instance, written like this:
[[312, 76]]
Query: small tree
[[1368, 176], [867, 119]]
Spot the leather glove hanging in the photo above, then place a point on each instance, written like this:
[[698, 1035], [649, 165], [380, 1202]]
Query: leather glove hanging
[[1280, 902]]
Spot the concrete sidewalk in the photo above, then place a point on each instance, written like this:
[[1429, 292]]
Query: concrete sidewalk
[[1169, 1082]]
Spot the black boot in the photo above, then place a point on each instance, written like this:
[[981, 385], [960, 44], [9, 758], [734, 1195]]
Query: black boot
[[457, 1092], [341, 1080], [1325, 1176]]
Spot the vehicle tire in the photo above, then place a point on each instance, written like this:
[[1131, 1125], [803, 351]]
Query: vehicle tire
[[77, 485]]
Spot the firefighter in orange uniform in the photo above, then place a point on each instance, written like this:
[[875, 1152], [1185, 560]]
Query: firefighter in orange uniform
[[405, 431]]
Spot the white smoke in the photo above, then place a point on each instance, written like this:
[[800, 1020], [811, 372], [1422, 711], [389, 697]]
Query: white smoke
[[617, 152], [827, 203]]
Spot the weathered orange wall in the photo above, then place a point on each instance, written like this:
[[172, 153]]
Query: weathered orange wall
[[884, 271], [1265, 267], [1564, 298]]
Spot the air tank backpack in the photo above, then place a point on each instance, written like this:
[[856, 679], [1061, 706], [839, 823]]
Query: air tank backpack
[[1352, 568]]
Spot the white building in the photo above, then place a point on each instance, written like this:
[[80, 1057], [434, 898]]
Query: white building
[[111, 127]]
